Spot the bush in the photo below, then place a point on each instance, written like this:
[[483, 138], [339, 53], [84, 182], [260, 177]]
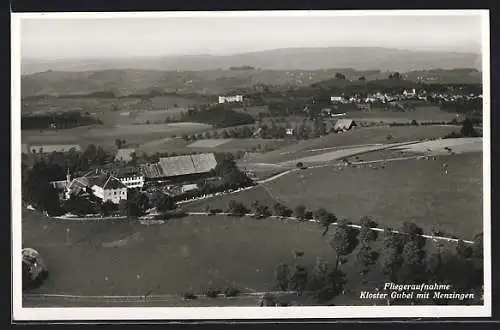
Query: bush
[[231, 292], [189, 295], [212, 293], [300, 165]]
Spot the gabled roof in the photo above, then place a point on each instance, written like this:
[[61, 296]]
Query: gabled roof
[[343, 124], [113, 183], [152, 170], [124, 155], [189, 164]]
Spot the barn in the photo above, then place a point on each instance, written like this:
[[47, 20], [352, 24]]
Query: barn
[[180, 168], [344, 125]]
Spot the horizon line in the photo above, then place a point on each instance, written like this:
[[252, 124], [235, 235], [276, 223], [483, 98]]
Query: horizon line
[[421, 50]]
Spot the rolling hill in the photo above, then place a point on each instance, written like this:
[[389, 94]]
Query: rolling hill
[[360, 58]]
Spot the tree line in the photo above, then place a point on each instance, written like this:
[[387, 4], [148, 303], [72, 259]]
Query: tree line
[[218, 116], [62, 120], [404, 257]]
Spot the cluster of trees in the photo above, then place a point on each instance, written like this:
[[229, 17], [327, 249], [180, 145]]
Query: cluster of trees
[[36, 188], [218, 116], [76, 161], [243, 132], [61, 120], [135, 205], [464, 106], [467, 130], [403, 256]]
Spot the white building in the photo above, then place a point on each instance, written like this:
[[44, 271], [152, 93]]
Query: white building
[[111, 190], [409, 93], [189, 187], [338, 99], [133, 181], [105, 187], [230, 99]]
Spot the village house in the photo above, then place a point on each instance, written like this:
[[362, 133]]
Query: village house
[[111, 190], [410, 93], [104, 186], [124, 155], [230, 99], [338, 99], [343, 125]]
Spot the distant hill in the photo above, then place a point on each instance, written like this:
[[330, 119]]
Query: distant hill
[[359, 58], [111, 83]]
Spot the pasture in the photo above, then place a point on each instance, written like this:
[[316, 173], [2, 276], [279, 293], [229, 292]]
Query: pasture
[[421, 114], [187, 254], [405, 190], [355, 138], [105, 135], [214, 145]]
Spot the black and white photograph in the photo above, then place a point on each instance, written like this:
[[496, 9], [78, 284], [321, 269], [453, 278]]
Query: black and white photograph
[[251, 165]]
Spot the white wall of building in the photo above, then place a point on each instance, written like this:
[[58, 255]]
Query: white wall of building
[[115, 195], [228, 99], [133, 181]]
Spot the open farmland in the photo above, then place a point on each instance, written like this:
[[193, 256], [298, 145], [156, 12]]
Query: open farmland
[[214, 145], [355, 137], [185, 254], [105, 135], [421, 114], [452, 201], [407, 190], [104, 261]]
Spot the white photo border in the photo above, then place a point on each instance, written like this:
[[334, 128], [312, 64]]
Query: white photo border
[[238, 313]]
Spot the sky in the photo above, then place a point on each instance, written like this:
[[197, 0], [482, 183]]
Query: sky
[[57, 38]]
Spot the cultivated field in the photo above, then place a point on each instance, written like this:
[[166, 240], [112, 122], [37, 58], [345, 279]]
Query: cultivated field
[[105, 135]]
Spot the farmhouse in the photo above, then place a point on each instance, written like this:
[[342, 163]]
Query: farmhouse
[[337, 99], [111, 190], [230, 99], [409, 93], [344, 125], [180, 168], [124, 155], [105, 187]]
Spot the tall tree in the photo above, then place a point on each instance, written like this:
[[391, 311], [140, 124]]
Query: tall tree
[[344, 241], [283, 276]]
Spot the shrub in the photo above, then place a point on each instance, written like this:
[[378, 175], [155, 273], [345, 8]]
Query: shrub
[[189, 295], [231, 292], [212, 293]]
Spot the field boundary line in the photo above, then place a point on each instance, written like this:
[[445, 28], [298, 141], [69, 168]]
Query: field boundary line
[[448, 239]]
